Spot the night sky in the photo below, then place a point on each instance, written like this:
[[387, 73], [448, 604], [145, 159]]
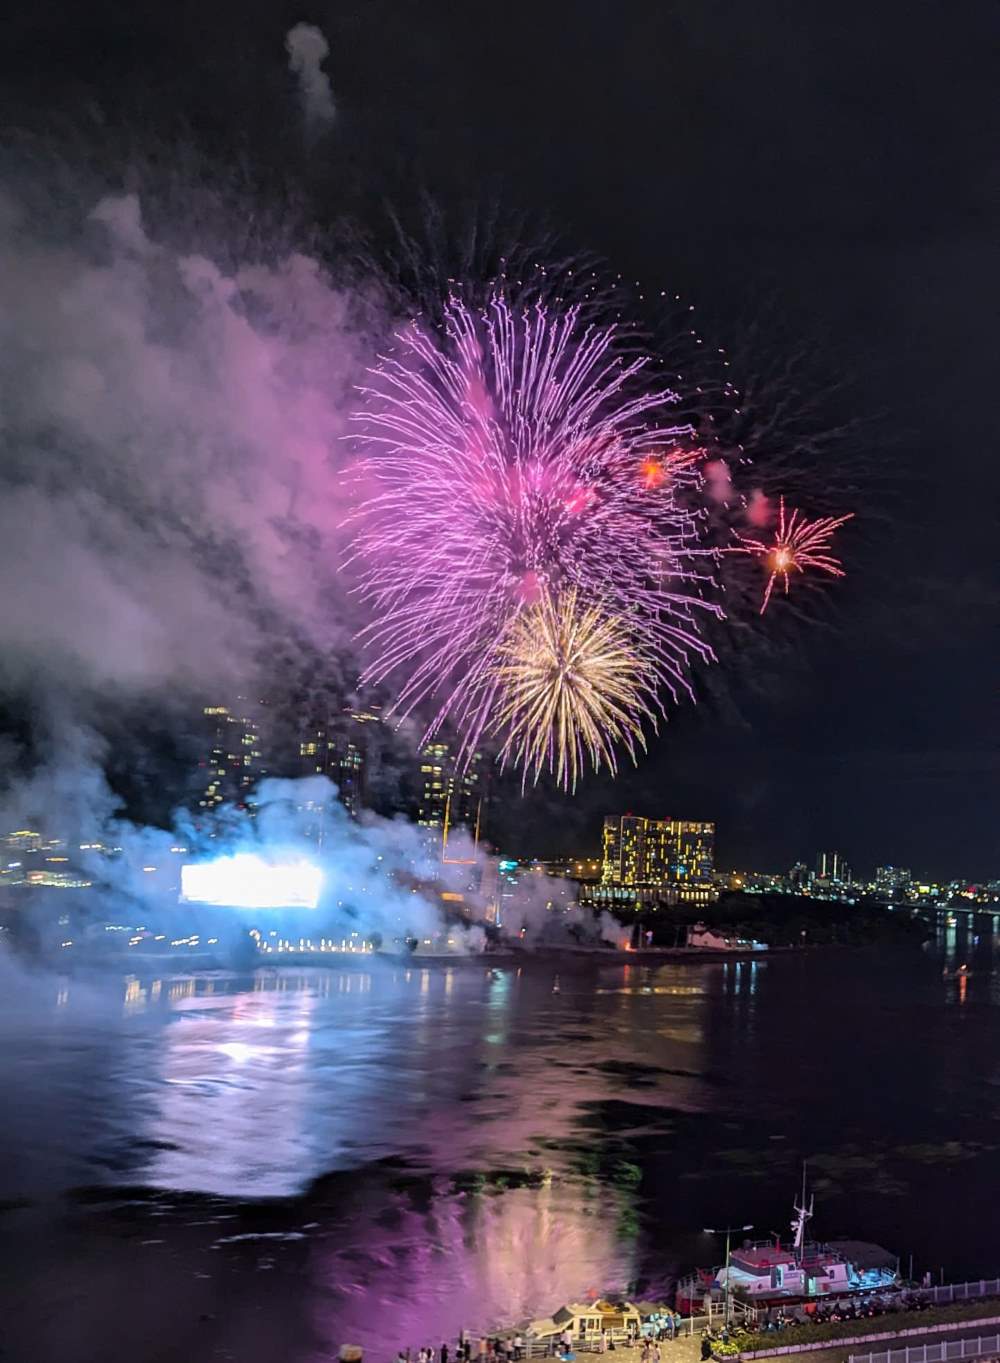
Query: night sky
[[831, 166]]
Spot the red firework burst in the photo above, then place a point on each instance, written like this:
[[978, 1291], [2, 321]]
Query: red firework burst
[[798, 544]]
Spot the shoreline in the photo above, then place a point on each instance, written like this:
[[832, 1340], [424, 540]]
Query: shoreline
[[569, 959]]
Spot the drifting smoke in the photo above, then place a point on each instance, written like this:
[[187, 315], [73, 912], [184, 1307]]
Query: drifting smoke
[[169, 491], [170, 501], [167, 480], [718, 481], [307, 50], [759, 509]]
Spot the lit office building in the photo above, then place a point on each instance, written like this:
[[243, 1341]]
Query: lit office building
[[892, 881], [640, 851], [649, 860], [449, 797], [233, 755], [323, 752]]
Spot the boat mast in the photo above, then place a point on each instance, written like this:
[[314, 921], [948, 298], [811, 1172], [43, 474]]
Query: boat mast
[[802, 1215]]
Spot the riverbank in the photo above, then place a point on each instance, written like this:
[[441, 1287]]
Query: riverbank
[[564, 958], [962, 1320], [912, 1328]]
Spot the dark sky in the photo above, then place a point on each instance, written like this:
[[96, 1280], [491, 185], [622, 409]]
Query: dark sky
[[831, 166]]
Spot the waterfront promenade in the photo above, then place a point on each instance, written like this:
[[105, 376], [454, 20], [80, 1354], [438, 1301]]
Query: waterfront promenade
[[687, 1348]]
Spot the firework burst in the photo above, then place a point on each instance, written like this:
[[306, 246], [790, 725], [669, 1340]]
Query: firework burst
[[798, 544], [571, 684], [513, 457]]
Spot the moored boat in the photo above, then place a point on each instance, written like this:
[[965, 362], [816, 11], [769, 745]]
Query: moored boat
[[766, 1273]]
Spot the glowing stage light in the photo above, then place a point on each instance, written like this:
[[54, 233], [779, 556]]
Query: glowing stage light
[[247, 881]]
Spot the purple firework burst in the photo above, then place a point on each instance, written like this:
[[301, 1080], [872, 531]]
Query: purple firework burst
[[509, 454]]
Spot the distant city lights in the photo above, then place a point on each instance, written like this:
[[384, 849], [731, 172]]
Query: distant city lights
[[248, 881]]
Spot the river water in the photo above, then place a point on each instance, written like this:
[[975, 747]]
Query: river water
[[262, 1167]]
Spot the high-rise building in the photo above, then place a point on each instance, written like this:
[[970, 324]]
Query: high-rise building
[[323, 751], [233, 755], [639, 851], [659, 858], [892, 881], [435, 785], [451, 795], [337, 746], [799, 877]]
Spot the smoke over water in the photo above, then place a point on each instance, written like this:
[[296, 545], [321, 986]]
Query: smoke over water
[[170, 500]]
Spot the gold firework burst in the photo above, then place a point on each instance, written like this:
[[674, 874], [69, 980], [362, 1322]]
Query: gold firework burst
[[571, 683]]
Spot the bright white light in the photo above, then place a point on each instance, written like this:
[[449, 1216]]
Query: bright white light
[[247, 881]]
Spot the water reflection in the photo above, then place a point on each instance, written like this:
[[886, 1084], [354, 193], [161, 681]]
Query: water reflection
[[455, 1146], [232, 1106], [473, 1260], [302, 1072]]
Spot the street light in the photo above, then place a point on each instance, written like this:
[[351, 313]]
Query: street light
[[727, 1231]]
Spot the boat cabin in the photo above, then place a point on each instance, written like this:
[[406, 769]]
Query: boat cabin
[[769, 1270]]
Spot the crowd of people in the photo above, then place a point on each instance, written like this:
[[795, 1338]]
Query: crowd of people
[[512, 1348], [484, 1349]]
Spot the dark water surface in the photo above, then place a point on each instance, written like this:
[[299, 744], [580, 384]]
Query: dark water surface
[[263, 1167]]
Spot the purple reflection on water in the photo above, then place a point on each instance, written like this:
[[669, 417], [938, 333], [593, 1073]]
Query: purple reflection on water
[[444, 1109], [261, 1090], [389, 1154], [476, 1260]]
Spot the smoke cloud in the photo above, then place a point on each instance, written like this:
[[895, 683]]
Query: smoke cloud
[[760, 511], [719, 481], [172, 500], [169, 439], [307, 50]]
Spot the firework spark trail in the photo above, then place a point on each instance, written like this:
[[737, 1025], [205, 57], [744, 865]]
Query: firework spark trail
[[571, 684], [798, 544], [515, 453]]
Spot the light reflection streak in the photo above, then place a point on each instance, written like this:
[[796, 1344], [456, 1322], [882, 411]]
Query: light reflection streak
[[478, 1261], [233, 1101]]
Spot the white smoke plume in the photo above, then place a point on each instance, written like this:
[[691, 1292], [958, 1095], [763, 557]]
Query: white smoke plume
[[378, 876], [307, 50], [170, 434]]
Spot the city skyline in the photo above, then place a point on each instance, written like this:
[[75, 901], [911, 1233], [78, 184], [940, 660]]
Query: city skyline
[[861, 714], [446, 795]]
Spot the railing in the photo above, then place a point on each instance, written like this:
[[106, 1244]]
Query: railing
[[872, 1337], [901, 1298], [985, 1287], [948, 1351]]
